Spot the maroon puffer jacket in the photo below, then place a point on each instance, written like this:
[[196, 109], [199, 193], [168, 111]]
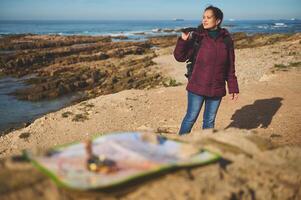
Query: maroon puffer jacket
[[213, 66]]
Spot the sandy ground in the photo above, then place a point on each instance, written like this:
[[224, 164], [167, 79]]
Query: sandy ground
[[268, 107]]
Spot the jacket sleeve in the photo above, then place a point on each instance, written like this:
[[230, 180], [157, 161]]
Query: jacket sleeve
[[183, 50], [231, 77]]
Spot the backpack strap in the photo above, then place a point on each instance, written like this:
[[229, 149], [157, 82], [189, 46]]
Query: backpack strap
[[196, 46], [190, 62]]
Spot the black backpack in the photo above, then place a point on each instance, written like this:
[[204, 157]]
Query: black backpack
[[196, 47]]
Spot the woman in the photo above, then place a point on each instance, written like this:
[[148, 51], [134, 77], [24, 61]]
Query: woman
[[214, 65]]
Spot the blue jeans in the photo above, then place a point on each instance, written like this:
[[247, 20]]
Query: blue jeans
[[195, 103]]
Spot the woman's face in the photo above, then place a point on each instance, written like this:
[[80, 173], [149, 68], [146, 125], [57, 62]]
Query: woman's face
[[209, 20]]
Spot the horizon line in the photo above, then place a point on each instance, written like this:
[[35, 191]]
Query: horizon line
[[171, 19]]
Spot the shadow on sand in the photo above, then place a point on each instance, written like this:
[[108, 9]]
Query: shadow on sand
[[259, 114]]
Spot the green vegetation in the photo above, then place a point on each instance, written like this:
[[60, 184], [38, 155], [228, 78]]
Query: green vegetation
[[85, 104], [90, 105], [85, 107], [79, 118], [290, 65], [67, 114], [171, 83], [280, 66], [295, 64], [24, 135]]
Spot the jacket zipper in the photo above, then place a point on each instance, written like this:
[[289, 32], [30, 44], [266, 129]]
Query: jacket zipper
[[214, 67]]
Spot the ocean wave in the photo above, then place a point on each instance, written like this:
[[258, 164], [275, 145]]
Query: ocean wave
[[263, 26], [142, 33], [279, 24], [8, 33], [157, 30], [60, 33]]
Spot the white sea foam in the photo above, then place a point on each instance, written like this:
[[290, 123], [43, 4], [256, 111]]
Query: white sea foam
[[280, 25], [263, 27], [157, 30]]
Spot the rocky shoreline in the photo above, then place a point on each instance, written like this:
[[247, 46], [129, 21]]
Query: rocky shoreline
[[65, 64], [94, 65], [87, 66]]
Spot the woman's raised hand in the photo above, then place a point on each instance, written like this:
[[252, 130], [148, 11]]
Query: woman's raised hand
[[185, 36]]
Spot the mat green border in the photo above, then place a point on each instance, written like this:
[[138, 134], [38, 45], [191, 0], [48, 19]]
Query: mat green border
[[161, 169]]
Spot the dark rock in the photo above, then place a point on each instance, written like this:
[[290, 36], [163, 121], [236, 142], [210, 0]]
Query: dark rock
[[80, 84], [103, 56], [90, 81], [61, 89]]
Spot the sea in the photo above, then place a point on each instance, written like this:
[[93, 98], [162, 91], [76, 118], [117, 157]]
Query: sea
[[134, 28], [14, 112]]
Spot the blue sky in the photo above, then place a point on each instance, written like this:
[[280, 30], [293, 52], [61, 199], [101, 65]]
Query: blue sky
[[145, 9]]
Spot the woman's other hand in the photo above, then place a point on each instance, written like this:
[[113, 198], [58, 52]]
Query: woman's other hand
[[234, 96], [185, 36]]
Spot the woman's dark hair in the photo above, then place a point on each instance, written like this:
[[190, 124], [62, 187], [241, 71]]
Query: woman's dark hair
[[218, 14]]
